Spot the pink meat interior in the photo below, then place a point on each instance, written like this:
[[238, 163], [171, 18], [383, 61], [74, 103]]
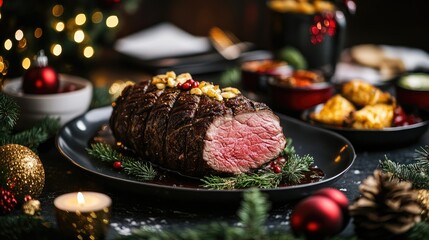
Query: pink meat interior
[[236, 144]]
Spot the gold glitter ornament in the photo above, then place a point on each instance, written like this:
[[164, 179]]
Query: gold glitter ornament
[[21, 170]]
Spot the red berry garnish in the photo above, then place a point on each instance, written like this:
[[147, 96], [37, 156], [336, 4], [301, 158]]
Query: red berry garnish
[[399, 120], [186, 86], [68, 88], [117, 165], [195, 84], [275, 167], [27, 198]]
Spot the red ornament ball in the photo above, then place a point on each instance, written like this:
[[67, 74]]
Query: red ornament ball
[[339, 198], [316, 217], [40, 78], [335, 195]]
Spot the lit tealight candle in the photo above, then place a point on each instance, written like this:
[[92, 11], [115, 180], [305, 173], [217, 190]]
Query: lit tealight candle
[[83, 215]]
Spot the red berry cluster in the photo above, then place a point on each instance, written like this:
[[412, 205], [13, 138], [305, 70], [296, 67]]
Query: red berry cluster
[[190, 83], [276, 165], [68, 88], [401, 118], [8, 201]]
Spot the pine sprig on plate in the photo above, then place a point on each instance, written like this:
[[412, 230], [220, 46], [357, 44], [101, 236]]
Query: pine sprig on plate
[[141, 170], [265, 180], [292, 171]]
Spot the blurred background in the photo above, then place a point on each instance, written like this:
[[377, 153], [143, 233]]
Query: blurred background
[[380, 22], [26, 27]]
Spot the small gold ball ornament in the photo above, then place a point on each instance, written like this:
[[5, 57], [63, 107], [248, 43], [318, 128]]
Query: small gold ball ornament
[[21, 170], [31, 207]]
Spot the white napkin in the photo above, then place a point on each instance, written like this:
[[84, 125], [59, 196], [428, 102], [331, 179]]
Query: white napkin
[[160, 41]]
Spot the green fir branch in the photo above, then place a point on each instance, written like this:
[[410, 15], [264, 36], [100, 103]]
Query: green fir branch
[[422, 158], [9, 113], [245, 180], [33, 137], [253, 213], [36, 135], [295, 167], [406, 172], [142, 171], [104, 152]]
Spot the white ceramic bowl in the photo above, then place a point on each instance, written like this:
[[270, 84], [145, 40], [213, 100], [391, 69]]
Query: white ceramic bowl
[[65, 105]]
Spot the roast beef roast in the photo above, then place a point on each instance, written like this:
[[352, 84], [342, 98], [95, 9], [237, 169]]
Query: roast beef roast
[[196, 134]]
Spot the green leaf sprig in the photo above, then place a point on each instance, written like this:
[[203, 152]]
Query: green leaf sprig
[[141, 170]]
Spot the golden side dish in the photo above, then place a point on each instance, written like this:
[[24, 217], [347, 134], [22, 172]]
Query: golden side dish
[[359, 105]]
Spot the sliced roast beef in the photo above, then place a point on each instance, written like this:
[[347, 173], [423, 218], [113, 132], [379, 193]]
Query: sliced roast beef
[[194, 134]]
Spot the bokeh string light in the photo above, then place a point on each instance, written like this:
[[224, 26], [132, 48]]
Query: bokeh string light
[[66, 30]]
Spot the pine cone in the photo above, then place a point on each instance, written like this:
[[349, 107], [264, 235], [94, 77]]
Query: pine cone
[[7, 201], [387, 207]]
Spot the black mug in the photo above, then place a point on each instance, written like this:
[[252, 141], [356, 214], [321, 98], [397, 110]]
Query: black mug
[[318, 37]]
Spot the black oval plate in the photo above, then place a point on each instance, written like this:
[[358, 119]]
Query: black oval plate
[[332, 153], [367, 139]]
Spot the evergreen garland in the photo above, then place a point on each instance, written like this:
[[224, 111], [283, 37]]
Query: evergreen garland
[[31, 138]]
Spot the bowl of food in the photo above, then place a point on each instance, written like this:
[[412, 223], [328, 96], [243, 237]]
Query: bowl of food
[[298, 91], [413, 90], [72, 99], [368, 117], [255, 73]]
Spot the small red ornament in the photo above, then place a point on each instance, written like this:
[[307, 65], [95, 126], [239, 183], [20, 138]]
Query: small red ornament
[[339, 198], [316, 217], [40, 78], [8, 201]]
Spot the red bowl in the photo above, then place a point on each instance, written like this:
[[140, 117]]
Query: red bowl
[[413, 90], [255, 73], [289, 98]]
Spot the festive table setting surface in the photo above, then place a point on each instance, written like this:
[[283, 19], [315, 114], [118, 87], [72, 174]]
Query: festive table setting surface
[[163, 134]]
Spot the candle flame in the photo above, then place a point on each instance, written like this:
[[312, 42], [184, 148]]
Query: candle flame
[[80, 198]]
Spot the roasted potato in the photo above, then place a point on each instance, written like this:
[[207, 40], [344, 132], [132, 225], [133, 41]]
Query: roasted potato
[[362, 94], [335, 111]]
